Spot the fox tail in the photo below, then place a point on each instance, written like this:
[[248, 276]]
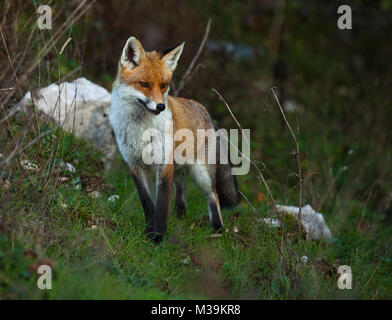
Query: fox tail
[[226, 183]]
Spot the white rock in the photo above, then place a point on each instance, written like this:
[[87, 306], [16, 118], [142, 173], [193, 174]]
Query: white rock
[[113, 198], [312, 221], [187, 260], [81, 107], [69, 167], [29, 166], [271, 222]]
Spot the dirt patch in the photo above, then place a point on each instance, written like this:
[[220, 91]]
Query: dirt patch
[[91, 183]]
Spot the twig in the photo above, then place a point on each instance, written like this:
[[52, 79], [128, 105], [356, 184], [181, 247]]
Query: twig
[[81, 9], [64, 45], [284, 116], [261, 176], [17, 150], [9, 60], [299, 173], [188, 74], [372, 275]]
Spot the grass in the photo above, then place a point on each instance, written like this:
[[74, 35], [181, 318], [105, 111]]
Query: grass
[[99, 251], [97, 248]]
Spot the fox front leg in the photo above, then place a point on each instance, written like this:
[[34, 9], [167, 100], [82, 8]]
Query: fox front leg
[[142, 180], [180, 203], [164, 192]]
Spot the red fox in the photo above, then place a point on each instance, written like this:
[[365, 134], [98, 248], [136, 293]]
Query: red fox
[[141, 101]]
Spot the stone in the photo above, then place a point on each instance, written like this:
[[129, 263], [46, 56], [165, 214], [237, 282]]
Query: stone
[[80, 107], [313, 222]]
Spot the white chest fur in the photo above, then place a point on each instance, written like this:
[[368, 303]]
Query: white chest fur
[[130, 121]]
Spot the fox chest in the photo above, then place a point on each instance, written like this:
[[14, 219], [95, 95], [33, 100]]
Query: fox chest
[[143, 140]]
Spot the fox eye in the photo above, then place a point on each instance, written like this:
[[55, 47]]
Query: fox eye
[[164, 86], [144, 84]]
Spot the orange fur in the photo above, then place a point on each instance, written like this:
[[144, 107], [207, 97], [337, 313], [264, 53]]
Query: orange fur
[[151, 69]]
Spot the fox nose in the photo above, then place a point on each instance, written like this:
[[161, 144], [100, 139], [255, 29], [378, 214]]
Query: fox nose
[[160, 107]]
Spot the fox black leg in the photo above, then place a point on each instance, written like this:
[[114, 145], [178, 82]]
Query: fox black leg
[[214, 212], [164, 192], [180, 202], [142, 183]]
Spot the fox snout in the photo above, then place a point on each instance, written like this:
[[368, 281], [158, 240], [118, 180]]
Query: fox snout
[[152, 106], [161, 107]]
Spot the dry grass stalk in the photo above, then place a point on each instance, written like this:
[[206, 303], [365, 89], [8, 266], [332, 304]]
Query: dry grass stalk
[[188, 74]]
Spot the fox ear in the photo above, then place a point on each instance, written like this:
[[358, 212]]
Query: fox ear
[[132, 53], [171, 56]]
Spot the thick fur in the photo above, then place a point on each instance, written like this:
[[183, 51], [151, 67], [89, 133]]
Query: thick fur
[[226, 187], [139, 92], [226, 183]]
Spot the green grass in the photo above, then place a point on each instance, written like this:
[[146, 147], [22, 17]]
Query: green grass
[[100, 251]]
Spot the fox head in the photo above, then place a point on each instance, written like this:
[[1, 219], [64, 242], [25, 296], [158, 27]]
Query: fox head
[[147, 75]]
